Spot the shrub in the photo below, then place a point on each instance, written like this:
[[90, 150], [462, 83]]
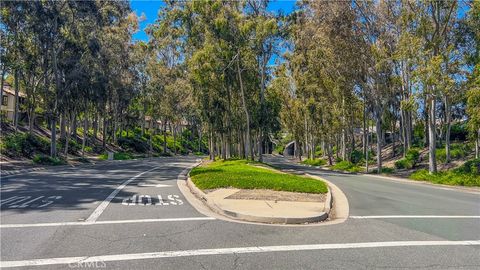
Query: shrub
[[453, 177], [88, 149], [24, 145], [117, 156], [318, 151], [385, 170], [471, 166], [134, 143], [413, 154], [315, 162], [403, 163], [347, 166], [356, 156], [457, 150], [47, 160]]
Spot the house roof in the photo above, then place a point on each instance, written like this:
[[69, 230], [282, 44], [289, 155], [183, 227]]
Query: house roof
[[9, 90]]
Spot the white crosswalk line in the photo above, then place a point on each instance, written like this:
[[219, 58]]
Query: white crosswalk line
[[228, 251]]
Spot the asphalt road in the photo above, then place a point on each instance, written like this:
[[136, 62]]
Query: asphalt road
[[132, 215]]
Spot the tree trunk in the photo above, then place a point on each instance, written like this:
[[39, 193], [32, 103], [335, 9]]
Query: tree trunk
[[426, 131], [432, 162], [164, 135], [393, 138], [67, 140], [85, 128], [62, 127], [245, 109], [31, 120], [175, 138], [2, 83], [104, 133], [95, 126], [15, 112], [447, 131], [379, 142], [477, 145], [199, 139]]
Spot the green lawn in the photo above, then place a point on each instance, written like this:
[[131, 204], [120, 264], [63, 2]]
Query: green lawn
[[239, 174]]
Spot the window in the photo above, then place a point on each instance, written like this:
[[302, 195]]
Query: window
[[5, 100]]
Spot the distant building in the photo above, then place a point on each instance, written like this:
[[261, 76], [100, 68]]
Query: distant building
[[8, 101]]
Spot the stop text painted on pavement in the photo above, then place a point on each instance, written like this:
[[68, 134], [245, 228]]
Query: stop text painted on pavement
[[171, 200]]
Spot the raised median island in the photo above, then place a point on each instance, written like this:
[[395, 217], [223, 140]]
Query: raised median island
[[252, 191]]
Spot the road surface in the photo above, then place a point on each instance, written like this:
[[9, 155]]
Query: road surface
[[132, 215]]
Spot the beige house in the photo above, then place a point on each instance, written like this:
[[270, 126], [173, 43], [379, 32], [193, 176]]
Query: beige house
[[8, 101]]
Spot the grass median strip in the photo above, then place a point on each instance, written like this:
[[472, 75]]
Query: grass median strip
[[241, 174]]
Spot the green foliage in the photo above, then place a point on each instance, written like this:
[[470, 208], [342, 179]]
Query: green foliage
[[88, 149], [134, 143], [357, 156], [24, 145], [240, 174], [470, 167], [458, 132], [47, 160], [418, 134], [413, 154], [315, 162], [346, 166], [117, 156], [459, 176], [457, 150], [279, 149], [385, 170], [403, 164], [410, 160], [73, 146]]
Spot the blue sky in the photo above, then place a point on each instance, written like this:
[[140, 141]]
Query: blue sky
[[150, 9]]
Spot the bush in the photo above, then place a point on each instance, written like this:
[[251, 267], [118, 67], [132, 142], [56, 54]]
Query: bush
[[413, 154], [315, 162], [453, 177], [318, 151], [25, 145], [356, 156], [88, 149], [134, 143], [47, 160], [457, 150], [410, 160], [117, 156], [403, 163], [385, 170], [347, 166], [470, 167]]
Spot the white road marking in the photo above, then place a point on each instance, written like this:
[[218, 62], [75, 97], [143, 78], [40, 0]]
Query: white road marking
[[380, 217], [228, 251], [147, 197], [2, 202], [93, 217], [153, 185], [84, 223]]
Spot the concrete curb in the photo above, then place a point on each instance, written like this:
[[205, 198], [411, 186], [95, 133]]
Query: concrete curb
[[260, 219]]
